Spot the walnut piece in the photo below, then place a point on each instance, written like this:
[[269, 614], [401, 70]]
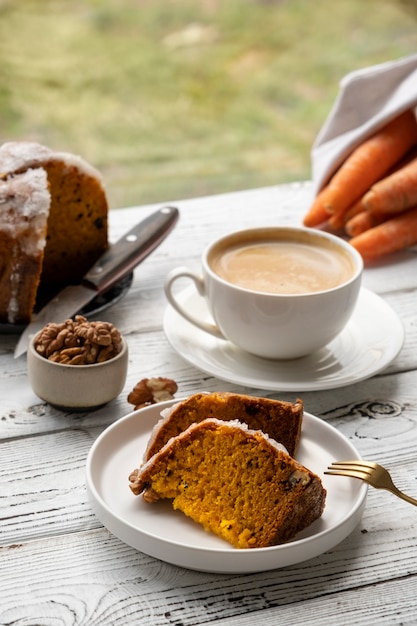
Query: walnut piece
[[298, 476], [152, 390], [79, 342]]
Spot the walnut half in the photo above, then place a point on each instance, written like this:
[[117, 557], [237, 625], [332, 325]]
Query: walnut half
[[79, 342], [152, 390]]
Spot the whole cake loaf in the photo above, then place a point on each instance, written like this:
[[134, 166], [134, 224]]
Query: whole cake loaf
[[279, 419], [236, 482], [53, 224]]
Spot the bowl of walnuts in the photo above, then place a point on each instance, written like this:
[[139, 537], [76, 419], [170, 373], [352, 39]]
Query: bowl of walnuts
[[77, 364]]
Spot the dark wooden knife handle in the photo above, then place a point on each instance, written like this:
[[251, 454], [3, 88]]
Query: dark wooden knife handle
[[135, 245]]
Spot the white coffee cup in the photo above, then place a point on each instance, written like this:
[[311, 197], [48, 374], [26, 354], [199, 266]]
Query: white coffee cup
[[276, 292]]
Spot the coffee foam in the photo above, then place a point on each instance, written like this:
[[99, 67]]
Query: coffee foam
[[282, 266]]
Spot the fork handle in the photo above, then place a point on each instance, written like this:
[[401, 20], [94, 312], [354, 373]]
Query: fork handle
[[404, 496]]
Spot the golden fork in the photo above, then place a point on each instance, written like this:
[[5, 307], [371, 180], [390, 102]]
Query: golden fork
[[372, 473]]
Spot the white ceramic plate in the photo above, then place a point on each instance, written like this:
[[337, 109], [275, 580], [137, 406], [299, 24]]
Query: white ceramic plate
[[161, 532], [371, 340]]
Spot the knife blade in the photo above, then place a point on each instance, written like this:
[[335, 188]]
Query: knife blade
[[118, 260]]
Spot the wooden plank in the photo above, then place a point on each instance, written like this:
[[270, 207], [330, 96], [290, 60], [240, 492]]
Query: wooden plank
[[91, 577], [42, 482]]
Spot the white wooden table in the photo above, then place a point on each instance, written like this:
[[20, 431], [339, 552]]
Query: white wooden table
[[59, 565]]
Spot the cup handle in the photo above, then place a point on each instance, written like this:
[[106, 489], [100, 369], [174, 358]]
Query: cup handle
[[184, 272]]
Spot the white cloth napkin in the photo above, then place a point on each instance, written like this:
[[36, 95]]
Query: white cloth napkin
[[367, 100]]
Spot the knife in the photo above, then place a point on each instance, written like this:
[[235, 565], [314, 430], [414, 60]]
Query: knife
[[118, 260]]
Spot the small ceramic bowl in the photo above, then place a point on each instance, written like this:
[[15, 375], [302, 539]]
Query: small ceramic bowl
[[77, 387]]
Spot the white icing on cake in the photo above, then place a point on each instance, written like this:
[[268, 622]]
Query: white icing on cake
[[15, 156], [24, 210]]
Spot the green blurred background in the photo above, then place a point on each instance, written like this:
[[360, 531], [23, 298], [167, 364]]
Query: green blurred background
[[178, 98]]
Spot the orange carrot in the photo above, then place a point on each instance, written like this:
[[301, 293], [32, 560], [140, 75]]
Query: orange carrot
[[338, 220], [354, 210], [369, 162], [392, 235], [394, 193], [364, 221], [316, 214]]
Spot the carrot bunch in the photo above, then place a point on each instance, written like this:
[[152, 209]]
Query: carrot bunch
[[372, 197]]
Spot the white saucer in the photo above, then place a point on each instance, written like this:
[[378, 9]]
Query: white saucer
[[163, 533], [371, 340]]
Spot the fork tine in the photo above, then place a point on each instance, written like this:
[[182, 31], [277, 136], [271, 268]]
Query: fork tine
[[354, 469], [350, 473], [367, 467]]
